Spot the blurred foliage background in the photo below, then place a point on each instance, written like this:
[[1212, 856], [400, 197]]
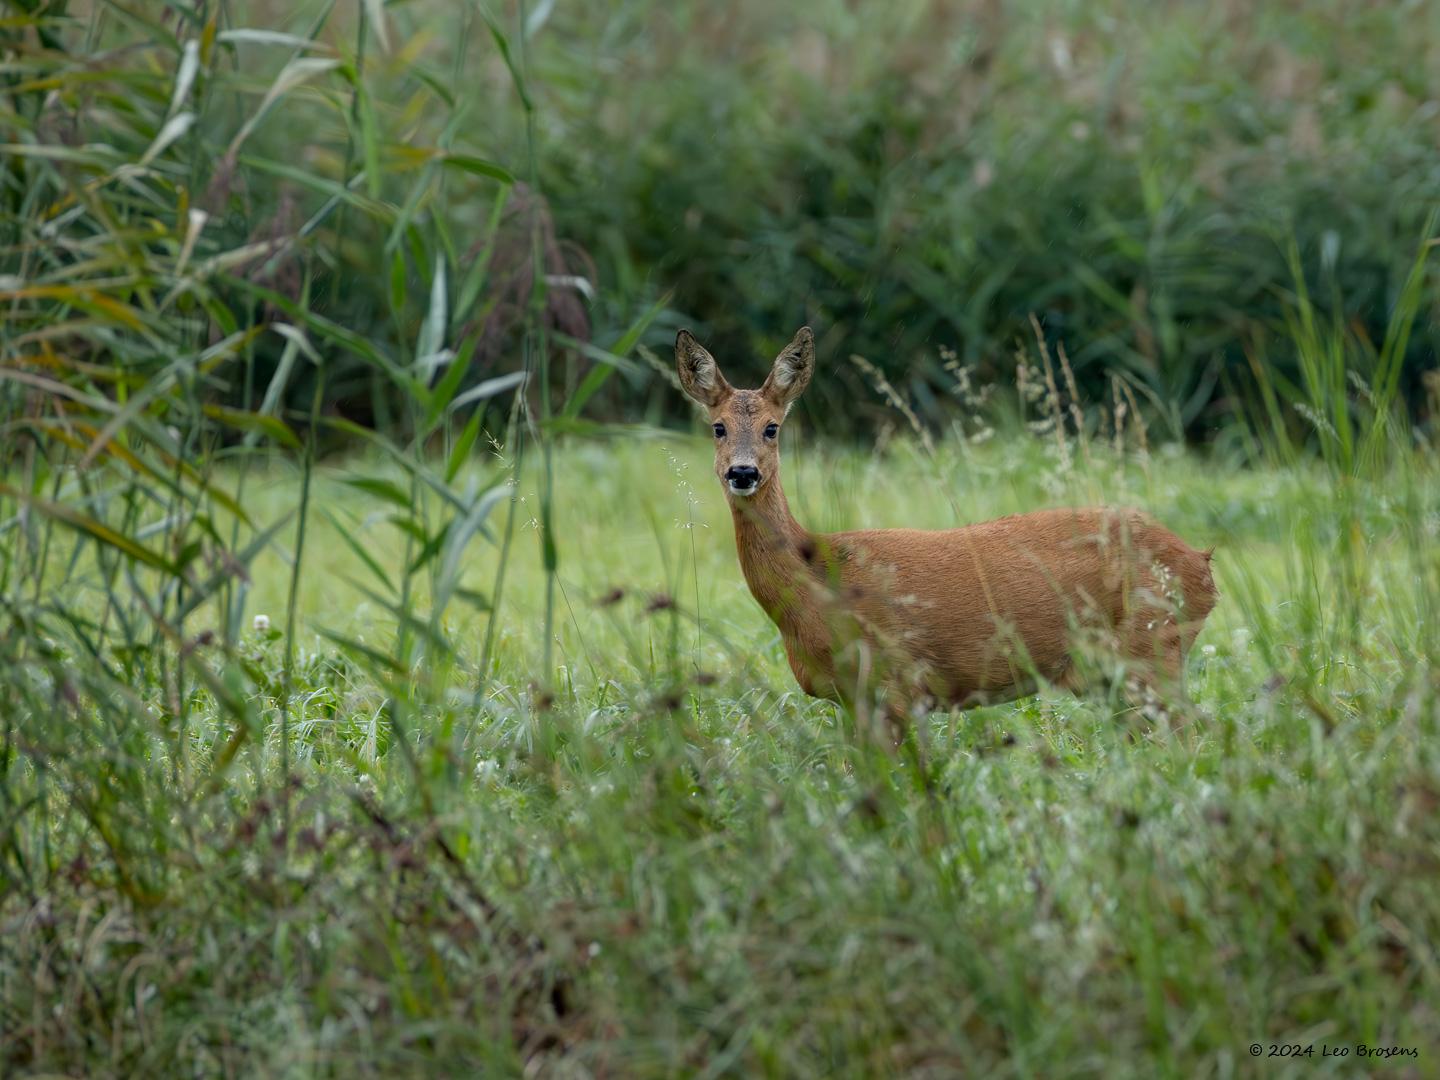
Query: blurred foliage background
[[1153, 181], [471, 747], [912, 175]]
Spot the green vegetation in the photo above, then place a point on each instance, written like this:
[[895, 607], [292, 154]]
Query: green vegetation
[[378, 691], [909, 175], [641, 870], [904, 177]]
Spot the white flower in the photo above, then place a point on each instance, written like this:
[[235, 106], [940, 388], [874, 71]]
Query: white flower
[[262, 624], [1208, 650]]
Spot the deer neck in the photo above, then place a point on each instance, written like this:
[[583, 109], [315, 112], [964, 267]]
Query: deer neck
[[774, 551]]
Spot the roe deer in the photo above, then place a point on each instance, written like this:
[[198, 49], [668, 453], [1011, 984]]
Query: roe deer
[[961, 616]]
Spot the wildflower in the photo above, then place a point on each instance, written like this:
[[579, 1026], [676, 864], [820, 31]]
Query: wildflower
[[1207, 650], [262, 624]]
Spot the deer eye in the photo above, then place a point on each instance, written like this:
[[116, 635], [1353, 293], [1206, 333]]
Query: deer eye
[[719, 431], [771, 430]]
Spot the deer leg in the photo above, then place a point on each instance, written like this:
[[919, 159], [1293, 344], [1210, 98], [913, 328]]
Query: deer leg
[[895, 714], [1155, 680], [906, 737], [1070, 679], [1151, 641]]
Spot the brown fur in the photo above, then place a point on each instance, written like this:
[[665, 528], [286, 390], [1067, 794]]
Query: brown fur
[[959, 616]]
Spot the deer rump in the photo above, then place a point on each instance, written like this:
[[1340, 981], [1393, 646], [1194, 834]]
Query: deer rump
[[982, 614]]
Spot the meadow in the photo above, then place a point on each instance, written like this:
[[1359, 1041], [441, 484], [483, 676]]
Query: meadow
[[379, 692], [665, 858]]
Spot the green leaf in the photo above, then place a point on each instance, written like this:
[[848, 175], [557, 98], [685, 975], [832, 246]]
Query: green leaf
[[431, 548], [440, 89], [95, 529], [346, 532], [369, 138], [449, 383], [408, 525], [595, 352], [503, 44], [387, 490], [489, 388], [253, 421], [375, 656], [398, 292], [461, 450], [477, 600], [404, 618], [375, 13], [432, 330], [460, 534], [337, 192], [401, 458], [479, 270], [480, 167], [245, 35], [335, 333], [294, 73], [596, 377]]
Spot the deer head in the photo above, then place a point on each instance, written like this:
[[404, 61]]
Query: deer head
[[746, 423]]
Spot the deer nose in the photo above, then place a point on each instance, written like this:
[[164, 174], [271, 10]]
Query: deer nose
[[743, 476]]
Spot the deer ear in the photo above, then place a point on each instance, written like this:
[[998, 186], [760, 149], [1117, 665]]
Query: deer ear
[[793, 367], [699, 374]]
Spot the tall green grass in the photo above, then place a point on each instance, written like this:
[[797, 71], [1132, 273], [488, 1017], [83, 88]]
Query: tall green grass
[[907, 178], [675, 862]]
